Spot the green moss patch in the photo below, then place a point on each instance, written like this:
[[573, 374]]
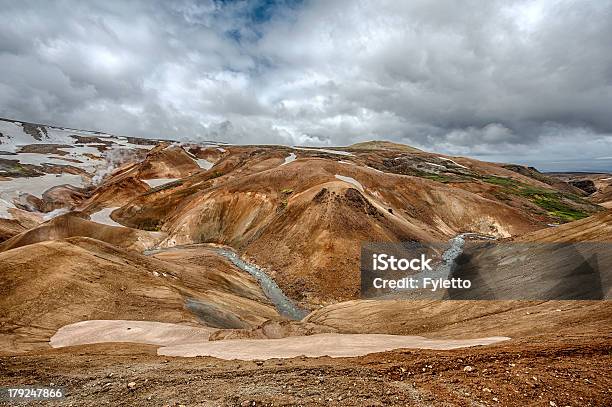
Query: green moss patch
[[558, 205], [438, 177]]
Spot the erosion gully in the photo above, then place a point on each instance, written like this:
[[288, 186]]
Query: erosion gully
[[284, 305]]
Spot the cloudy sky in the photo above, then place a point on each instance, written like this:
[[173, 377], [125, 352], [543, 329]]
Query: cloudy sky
[[522, 81]]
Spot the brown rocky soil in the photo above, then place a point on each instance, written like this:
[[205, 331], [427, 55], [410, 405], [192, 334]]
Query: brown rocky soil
[[597, 186], [540, 371], [9, 228]]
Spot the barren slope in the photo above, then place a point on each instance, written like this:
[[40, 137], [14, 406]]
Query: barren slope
[[597, 228], [301, 219], [44, 286], [498, 318], [74, 224]]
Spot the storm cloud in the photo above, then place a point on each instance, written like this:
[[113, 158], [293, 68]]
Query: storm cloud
[[523, 81]]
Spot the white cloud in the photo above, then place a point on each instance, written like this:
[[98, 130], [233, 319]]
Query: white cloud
[[474, 77]]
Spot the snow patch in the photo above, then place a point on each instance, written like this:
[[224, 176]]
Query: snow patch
[[290, 158], [103, 217], [323, 150], [318, 345], [36, 186], [54, 213], [123, 141], [376, 169], [40, 159], [149, 332], [203, 163], [448, 159], [350, 180], [82, 161], [207, 165], [159, 181]]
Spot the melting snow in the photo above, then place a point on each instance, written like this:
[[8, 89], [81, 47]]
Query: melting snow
[[350, 180], [35, 186], [154, 333], [103, 217], [123, 141], [14, 136], [5, 205], [40, 159], [203, 163], [339, 152], [207, 165], [376, 169], [54, 213], [290, 158], [159, 181], [448, 159], [77, 154], [331, 345]]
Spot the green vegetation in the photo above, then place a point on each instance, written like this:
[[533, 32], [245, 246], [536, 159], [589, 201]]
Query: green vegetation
[[285, 194], [150, 225], [13, 168], [553, 205], [438, 177], [556, 204], [506, 182]]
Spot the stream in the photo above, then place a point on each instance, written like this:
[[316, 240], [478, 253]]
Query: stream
[[451, 254], [283, 304], [289, 309], [445, 268]]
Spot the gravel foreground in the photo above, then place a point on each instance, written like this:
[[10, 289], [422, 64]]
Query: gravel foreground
[[539, 371]]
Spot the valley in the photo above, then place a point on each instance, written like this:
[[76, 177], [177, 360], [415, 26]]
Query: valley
[[184, 266]]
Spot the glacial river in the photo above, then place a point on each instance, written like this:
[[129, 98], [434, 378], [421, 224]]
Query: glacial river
[[287, 308], [451, 254], [442, 270], [283, 304]]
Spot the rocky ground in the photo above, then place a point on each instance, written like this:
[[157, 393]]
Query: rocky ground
[[598, 186], [539, 371]]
